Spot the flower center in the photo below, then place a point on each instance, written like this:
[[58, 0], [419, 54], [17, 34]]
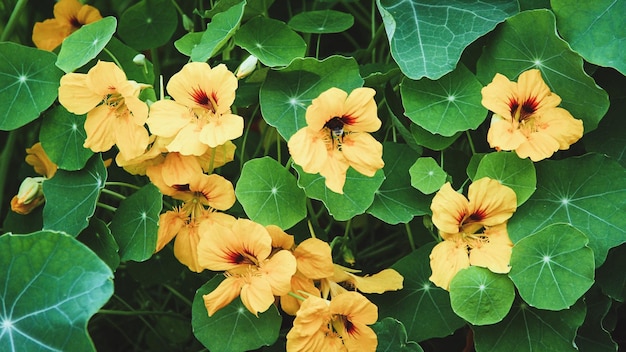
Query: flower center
[[525, 111], [335, 125], [205, 100]]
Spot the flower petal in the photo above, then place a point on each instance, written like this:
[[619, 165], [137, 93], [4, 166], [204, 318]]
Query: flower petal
[[308, 149], [327, 105], [168, 117], [355, 307], [170, 224], [498, 95], [492, 201], [361, 111], [225, 293], [446, 259], [75, 96], [449, 208], [314, 258], [186, 247], [504, 134], [221, 129], [100, 129], [257, 295], [278, 271], [334, 170], [496, 253], [363, 152]]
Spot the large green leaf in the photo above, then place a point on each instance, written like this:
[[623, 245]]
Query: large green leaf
[[552, 268], [232, 328], [222, 27], [422, 307], [286, 93], [430, 140], [358, 192], [84, 44], [269, 193], [71, 197], [50, 286], [324, 21], [135, 223], [446, 106], [511, 171], [594, 29], [427, 39], [592, 335], [396, 201], [271, 41], [426, 175], [148, 24], [529, 329], [391, 335], [480, 296], [62, 135], [529, 40], [588, 192], [29, 84]]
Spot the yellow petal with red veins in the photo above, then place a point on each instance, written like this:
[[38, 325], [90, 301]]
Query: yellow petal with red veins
[[530, 86], [327, 105], [448, 207], [218, 192], [361, 109], [498, 94], [494, 202]]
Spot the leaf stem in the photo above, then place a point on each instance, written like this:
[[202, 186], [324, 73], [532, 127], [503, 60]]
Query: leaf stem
[[5, 162], [296, 296], [136, 312], [16, 14], [470, 141], [178, 294], [113, 194], [409, 234], [107, 207], [121, 184], [117, 62]]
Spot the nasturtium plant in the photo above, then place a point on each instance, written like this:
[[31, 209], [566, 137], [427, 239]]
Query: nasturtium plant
[[275, 175]]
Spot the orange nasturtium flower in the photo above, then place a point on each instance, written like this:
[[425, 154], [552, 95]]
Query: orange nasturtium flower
[[340, 324], [254, 271], [30, 194], [115, 114], [526, 118], [473, 231], [69, 16], [336, 136], [199, 115]]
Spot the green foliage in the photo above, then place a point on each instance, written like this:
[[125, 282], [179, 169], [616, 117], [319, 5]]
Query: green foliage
[[62, 136], [148, 24], [426, 175], [326, 21], [513, 172], [392, 337], [218, 32], [84, 44]]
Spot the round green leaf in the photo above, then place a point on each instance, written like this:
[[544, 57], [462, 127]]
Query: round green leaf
[[515, 48], [187, 42], [62, 136], [396, 201], [588, 192], [232, 328], [428, 40], [528, 329], [271, 41], [480, 296], [50, 286], [99, 239], [427, 176], [222, 27], [552, 268], [446, 106], [431, 140], [511, 171], [419, 298], [84, 44], [71, 197], [391, 335], [286, 93], [148, 24], [135, 223], [324, 21], [269, 193], [358, 192], [594, 29], [29, 84]]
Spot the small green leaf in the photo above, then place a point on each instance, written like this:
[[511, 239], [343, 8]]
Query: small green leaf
[[98, 238], [529, 329], [187, 42], [232, 328], [552, 268], [71, 197], [588, 192], [480, 296], [323, 21], [391, 335], [511, 171], [594, 29], [396, 201], [515, 48], [446, 106], [50, 286], [218, 32], [271, 41], [135, 223], [286, 93], [29, 84], [148, 24], [62, 135], [422, 307], [430, 140], [358, 192], [427, 40], [85, 44], [427, 176], [269, 193]]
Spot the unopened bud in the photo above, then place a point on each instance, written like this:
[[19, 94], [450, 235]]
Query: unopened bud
[[30, 189], [139, 59], [247, 66]]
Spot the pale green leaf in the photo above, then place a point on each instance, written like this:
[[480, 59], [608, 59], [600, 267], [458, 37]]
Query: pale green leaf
[[323, 21], [85, 44], [222, 27], [427, 176]]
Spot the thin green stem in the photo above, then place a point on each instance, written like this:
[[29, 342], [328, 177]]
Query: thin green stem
[[373, 28], [156, 67], [148, 325], [117, 62], [136, 312], [409, 234], [121, 184], [471, 142], [212, 162], [178, 294], [16, 14], [359, 14], [278, 148], [317, 46], [113, 194], [5, 162], [346, 232], [296, 296], [309, 207], [245, 137], [106, 206]]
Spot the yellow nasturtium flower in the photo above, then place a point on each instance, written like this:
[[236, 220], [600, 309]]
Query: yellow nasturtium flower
[[115, 114], [30, 194], [527, 118], [337, 136], [199, 115], [69, 16], [473, 229]]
